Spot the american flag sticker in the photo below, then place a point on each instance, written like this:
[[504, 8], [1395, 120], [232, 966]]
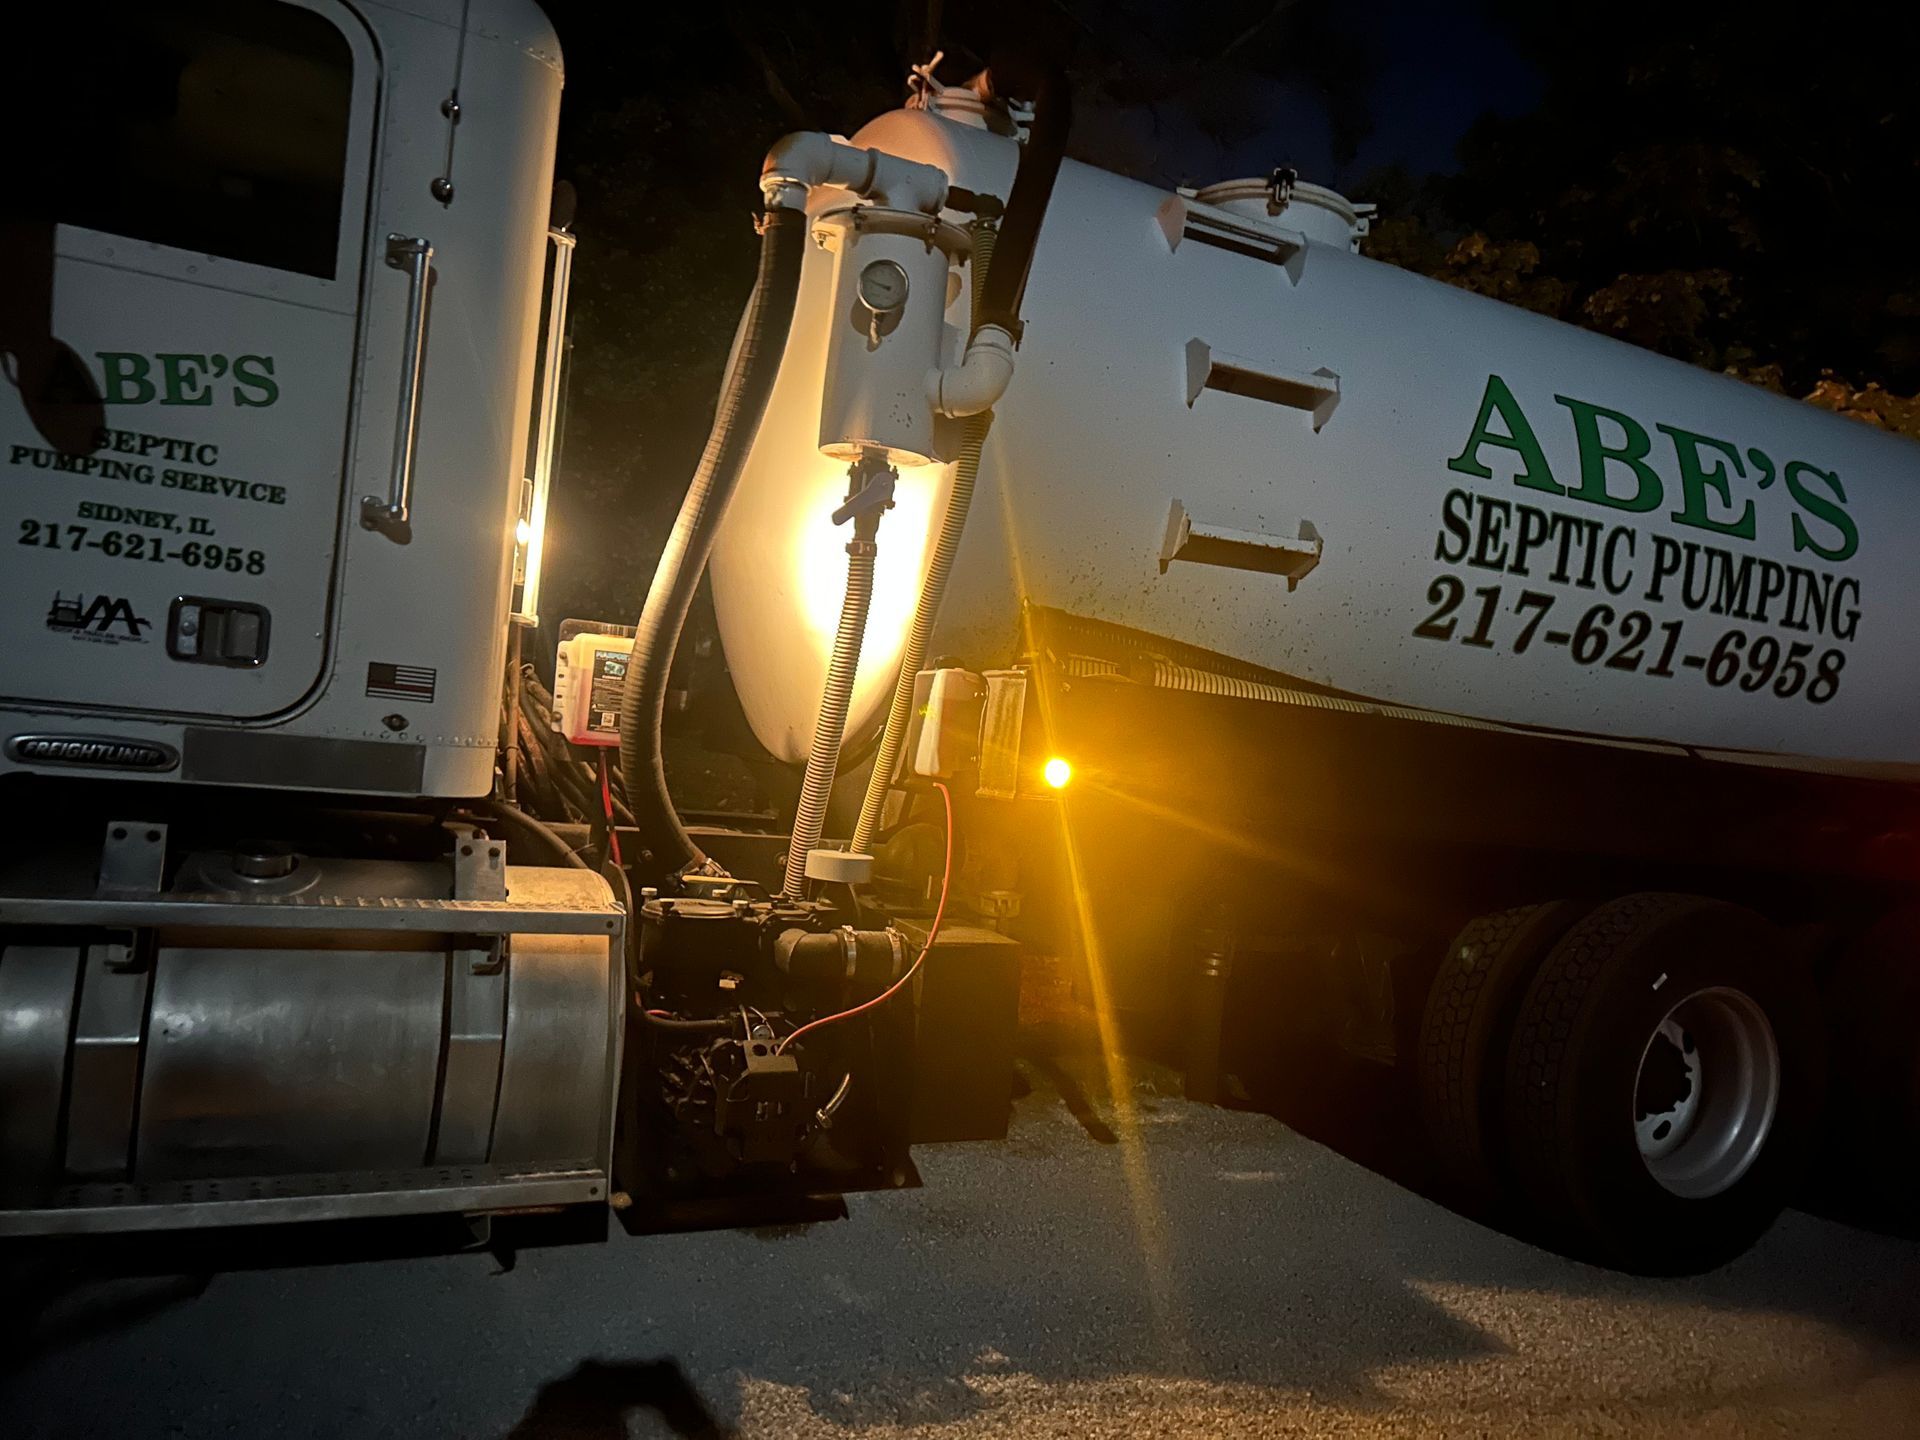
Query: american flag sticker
[[401, 682]]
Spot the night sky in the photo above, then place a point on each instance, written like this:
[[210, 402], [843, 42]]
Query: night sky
[[1443, 67], [1436, 69]]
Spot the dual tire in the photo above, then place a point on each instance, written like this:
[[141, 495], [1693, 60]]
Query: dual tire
[[1641, 1078]]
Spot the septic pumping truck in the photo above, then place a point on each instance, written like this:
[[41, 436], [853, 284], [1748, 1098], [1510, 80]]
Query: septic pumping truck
[[1320, 657]]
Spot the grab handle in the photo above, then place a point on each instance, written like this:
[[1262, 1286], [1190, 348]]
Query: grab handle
[[393, 515]]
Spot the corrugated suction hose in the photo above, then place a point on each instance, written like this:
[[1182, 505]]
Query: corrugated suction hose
[[810, 817], [743, 402]]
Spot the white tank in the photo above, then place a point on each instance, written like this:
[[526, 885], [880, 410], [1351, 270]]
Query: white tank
[[1228, 430]]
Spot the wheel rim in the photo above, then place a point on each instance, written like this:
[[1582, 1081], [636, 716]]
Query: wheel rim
[[1705, 1092]]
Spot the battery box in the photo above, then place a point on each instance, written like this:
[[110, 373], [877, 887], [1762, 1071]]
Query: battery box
[[589, 683]]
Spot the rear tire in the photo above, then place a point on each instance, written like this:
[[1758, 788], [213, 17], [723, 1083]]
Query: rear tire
[[1664, 1079], [1464, 1030]]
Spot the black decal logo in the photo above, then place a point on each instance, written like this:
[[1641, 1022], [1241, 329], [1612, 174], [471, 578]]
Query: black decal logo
[[93, 751], [107, 619]]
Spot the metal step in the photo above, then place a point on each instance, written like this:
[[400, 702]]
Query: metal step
[[258, 1200], [316, 912]]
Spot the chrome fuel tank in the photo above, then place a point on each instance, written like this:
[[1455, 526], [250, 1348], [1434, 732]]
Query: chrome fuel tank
[[355, 1037]]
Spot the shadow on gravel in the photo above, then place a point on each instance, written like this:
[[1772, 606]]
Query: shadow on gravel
[[1172, 1243], [595, 1399], [1141, 1249], [48, 1308]]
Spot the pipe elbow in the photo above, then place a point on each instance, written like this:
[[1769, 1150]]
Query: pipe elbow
[[807, 158], [800, 161], [979, 379]]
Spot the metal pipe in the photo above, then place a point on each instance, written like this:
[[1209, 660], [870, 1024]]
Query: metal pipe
[[808, 158], [823, 1117], [543, 449]]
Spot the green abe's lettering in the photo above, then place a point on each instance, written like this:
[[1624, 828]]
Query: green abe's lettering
[[1631, 452], [253, 382], [185, 377], [126, 377], [1696, 479], [1824, 509], [1535, 473]]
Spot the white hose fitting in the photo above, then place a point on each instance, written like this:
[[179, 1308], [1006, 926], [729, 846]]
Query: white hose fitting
[[808, 158], [979, 379]]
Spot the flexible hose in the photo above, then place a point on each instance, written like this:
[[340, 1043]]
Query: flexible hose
[[1167, 675], [743, 401], [1027, 204], [515, 818], [824, 759], [973, 437]]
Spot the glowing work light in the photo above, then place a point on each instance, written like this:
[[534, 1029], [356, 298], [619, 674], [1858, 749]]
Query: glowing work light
[[1057, 773]]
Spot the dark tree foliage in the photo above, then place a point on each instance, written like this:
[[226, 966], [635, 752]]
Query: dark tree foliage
[[1728, 184]]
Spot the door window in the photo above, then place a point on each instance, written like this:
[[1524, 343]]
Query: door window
[[213, 126]]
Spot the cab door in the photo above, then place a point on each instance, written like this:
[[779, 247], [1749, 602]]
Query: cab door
[[183, 267]]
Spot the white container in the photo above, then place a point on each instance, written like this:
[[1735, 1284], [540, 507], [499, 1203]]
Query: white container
[[885, 332], [589, 687], [1304, 391]]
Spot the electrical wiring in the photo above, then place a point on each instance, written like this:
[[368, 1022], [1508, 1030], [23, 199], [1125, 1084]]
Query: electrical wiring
[[606, 800], [939, 914]]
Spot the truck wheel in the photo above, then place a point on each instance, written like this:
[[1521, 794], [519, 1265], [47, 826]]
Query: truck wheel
[[1663, 1081], [1461, 1056]]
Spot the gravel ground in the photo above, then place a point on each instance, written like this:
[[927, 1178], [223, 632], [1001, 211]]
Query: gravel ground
[[1194, 1272]]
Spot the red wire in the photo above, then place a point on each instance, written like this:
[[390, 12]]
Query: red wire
[[946, 876], [606, 799]]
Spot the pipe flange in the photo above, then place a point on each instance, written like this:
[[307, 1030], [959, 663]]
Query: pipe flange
[[955, 241], [839, 867]]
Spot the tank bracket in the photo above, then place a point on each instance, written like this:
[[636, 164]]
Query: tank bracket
[[479, 865], [1181, 217], [1315, 391], [104, 1081], [1187, 539], [133, 857]]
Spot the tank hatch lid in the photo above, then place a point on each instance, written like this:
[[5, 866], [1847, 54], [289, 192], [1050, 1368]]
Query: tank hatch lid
[[1278, 211], [972, 104]]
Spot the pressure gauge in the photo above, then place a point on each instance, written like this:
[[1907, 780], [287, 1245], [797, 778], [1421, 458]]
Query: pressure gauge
[[883, 287]]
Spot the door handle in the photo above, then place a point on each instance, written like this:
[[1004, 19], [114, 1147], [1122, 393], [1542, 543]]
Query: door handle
[[393, 516]]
